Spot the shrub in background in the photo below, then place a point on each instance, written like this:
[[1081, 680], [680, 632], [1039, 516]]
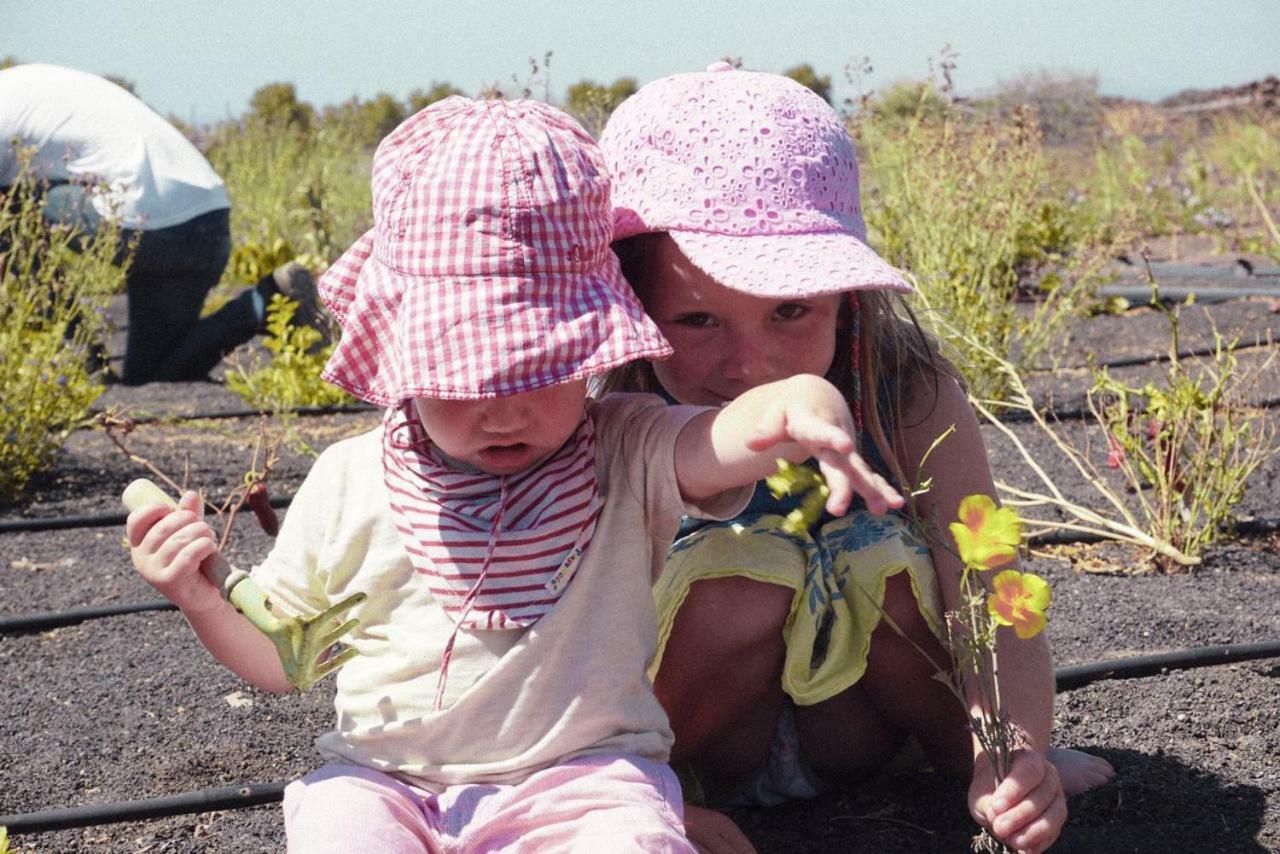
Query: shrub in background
[[969, 208], [1214, 177], [291, 378], [1244, 151], [54, 285], [592, 104], [1067, 107], [307, 185]]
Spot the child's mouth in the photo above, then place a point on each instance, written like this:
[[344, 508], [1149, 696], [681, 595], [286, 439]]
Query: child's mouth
[[505, 456]]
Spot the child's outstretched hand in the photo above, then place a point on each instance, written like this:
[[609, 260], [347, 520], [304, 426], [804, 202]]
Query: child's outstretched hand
[[810, 412], [169, 546], [800, 417]]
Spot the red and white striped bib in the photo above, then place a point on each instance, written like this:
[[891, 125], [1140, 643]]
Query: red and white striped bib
[[498, 550]]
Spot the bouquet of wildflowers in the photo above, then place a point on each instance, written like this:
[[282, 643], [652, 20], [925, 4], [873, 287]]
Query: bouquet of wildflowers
[[987, 538]]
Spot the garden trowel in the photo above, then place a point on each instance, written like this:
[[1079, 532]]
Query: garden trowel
[[304, 644]]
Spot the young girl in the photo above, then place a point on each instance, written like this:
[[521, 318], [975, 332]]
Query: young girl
[[736, 204], [504, 530]]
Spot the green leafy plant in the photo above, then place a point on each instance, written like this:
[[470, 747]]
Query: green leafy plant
[[792, 479], [291, 378], [54, 285], [251, 261], [1187, 444]]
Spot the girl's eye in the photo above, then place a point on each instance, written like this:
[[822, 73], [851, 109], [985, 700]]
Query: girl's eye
[[694, 320], [791, 311]]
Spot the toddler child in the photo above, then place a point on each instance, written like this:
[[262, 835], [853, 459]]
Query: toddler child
[[504, 529]]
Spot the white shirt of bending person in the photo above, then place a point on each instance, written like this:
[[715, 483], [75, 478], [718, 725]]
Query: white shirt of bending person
[[87, 129]]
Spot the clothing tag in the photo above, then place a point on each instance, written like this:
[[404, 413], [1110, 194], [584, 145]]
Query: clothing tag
[[569, 565], [557, 582]]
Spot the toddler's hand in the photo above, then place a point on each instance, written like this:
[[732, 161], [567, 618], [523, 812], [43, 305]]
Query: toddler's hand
[[814, 415], [1027, 810], [169, 547]]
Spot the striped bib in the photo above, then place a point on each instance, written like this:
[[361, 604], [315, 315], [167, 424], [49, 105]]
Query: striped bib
[[497, 551]]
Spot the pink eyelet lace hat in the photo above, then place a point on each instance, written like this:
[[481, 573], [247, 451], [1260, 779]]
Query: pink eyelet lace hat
[[487, 272], [753, 176]]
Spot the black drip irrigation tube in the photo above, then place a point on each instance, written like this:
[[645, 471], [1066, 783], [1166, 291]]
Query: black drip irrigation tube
[[225, 414], [43, 621], [203, 800], [1079, 675], [257, 794], [1140, 294]]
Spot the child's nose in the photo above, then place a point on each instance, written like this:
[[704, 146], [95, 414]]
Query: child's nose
[[503, 415], [750, 359]]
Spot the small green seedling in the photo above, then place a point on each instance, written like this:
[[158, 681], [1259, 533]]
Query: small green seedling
[[303, 643]]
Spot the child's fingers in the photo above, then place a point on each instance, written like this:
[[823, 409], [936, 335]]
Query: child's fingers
[[1027, 827], [767, 435], [161, 546], [849, 474], [1027, 810], [191, 501], [167, 523], [141, 521], [805, 427], [194, 553]]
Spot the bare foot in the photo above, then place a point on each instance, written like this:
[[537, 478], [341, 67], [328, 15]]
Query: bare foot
[[1079, 771]]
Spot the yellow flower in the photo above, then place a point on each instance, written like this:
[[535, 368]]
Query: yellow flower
[[987, 536], [1020, 600]]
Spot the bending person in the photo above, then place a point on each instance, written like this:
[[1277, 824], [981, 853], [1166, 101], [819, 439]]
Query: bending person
[[106, 155]]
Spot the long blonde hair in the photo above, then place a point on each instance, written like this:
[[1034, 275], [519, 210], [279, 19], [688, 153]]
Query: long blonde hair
[[898, 359]]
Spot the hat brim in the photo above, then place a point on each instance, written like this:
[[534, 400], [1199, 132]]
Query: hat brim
[[790, 265], [449, 338]]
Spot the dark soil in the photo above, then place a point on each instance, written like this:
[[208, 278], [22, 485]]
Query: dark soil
[[131, 707]]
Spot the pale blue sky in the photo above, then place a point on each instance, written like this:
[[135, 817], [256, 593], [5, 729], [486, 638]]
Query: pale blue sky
[[202, 59]]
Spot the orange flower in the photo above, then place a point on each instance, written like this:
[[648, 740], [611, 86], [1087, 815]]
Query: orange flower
[[986, 536], [1020, 600]]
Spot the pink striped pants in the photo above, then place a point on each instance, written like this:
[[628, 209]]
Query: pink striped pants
[[604, 802]]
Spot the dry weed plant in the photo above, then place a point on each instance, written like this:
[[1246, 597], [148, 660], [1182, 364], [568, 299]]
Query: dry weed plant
[[965, 206], [1185, 466], [251, 491]]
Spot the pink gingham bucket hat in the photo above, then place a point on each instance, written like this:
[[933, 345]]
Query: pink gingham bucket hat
[[753, 176], [487, 272]]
